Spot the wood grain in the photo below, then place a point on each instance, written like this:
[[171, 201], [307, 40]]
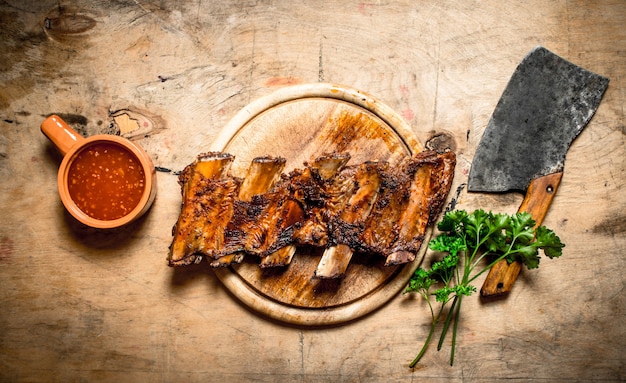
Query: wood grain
[[84, 305]]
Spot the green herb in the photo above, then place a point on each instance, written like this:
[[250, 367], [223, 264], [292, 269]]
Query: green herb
[[467, 239]]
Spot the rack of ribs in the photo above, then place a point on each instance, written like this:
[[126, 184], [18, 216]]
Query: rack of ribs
[[370, 207]]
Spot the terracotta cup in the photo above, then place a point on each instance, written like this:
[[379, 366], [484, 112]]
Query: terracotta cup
[[100, 165]]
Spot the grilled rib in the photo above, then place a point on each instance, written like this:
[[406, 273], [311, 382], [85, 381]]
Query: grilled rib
[[292, 211], [382, 225], [274, 226], [347, 226], [430, 185], [202, 205], [308, 188], [260, 178]]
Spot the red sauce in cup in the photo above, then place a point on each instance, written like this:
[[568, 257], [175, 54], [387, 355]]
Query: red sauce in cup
[[106, 181]]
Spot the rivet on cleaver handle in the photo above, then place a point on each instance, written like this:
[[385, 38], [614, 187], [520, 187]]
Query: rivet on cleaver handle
[[545, 105]]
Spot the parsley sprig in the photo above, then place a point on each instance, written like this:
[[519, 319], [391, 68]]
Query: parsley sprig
[[467, 239]]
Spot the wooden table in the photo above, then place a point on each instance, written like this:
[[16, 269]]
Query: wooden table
[[78, 304]]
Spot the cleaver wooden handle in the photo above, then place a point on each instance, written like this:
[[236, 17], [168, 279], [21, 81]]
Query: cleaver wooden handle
[[539, 195]]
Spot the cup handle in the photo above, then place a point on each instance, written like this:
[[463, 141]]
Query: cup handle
[[60, 133]]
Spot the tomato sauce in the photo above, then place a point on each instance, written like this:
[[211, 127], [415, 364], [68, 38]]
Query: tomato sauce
[[106, 181]]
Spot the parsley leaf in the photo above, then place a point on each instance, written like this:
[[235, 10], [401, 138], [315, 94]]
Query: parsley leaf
[[549, 242]]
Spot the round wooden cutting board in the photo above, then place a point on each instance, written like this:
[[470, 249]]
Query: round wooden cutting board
[[300, 123]]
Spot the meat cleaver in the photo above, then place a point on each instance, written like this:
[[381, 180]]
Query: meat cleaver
[[545, 105]]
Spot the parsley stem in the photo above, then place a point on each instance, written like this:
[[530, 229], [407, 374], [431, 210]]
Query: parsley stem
[[433, 323], [480, 258], [447, 322], [454, 329], [425, 346], [487, 268]]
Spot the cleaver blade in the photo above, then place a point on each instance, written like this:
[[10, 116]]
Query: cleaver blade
[[546, 104]]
